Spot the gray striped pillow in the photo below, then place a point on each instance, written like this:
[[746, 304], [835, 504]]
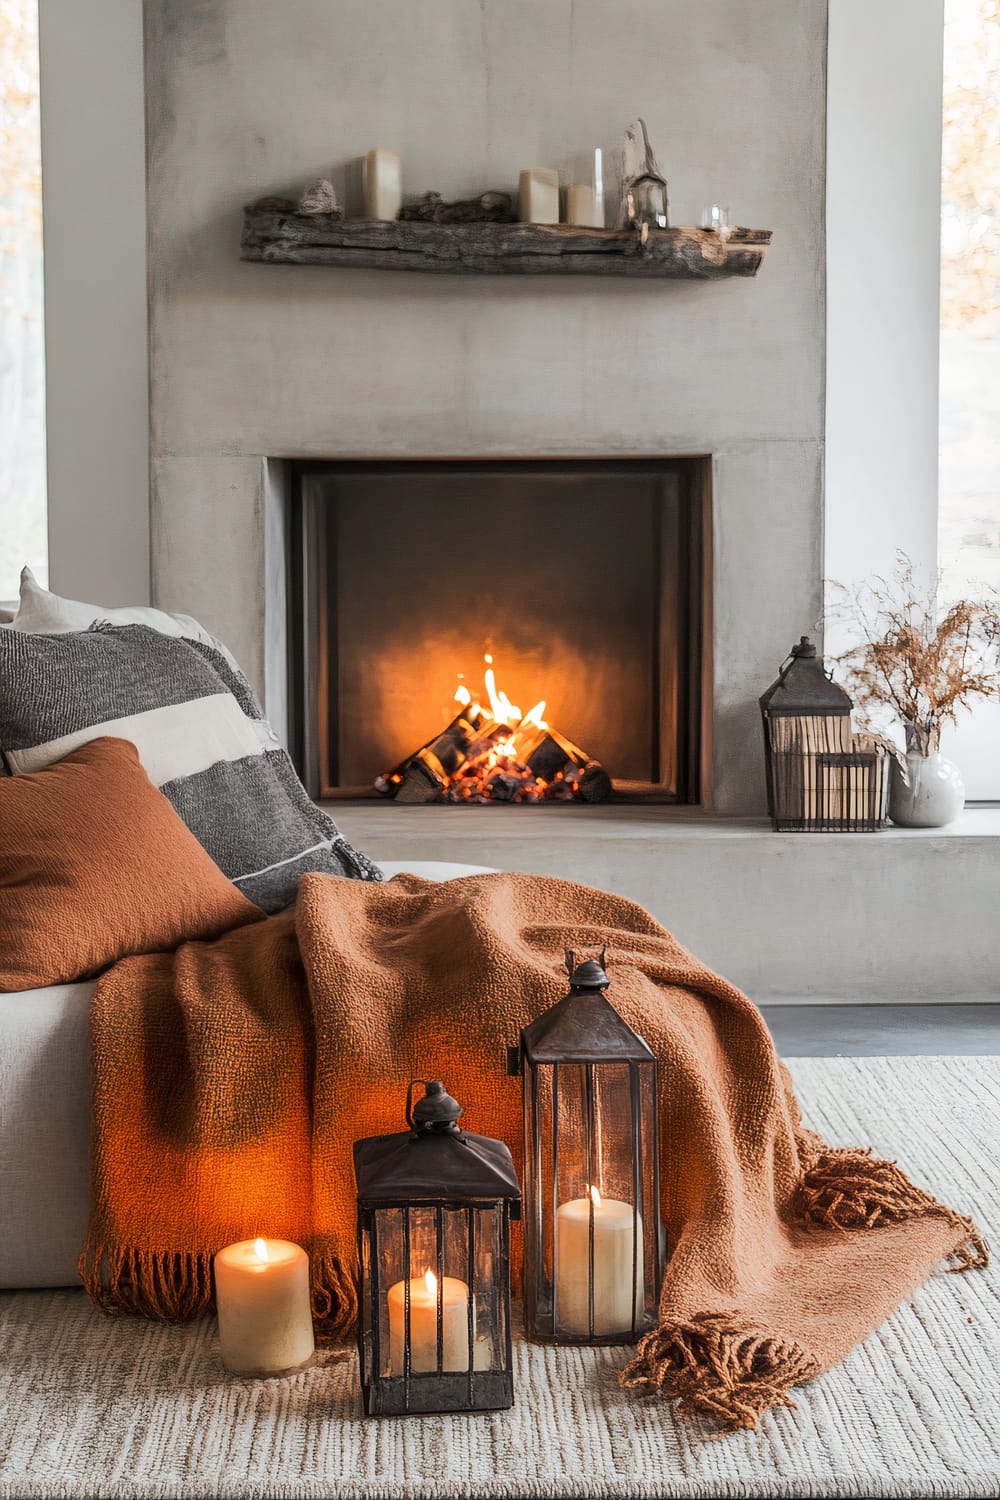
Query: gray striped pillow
[[201, 736]]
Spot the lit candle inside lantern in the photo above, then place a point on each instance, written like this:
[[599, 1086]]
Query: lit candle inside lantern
[[613, 1241], [265, 1317], [423, 1324]]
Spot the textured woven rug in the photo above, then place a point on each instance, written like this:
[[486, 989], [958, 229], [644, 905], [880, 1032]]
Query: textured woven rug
[[119, 1408]]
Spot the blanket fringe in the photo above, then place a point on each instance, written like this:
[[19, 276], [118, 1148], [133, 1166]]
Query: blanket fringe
[[334, 1297], [717, 1365], [170, 1286], [176, 1286], [848, 1189]]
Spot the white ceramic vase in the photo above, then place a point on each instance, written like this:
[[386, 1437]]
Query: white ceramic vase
[[928, 794]]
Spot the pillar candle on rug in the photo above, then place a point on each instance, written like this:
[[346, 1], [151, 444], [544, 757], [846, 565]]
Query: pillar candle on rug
[[262, 1296], [239, 1073]]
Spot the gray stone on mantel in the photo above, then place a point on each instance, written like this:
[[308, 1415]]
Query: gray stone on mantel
[[905, 915]]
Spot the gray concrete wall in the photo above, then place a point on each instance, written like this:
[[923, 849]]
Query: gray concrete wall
[[246, 97], [96, 376], [903, 916]]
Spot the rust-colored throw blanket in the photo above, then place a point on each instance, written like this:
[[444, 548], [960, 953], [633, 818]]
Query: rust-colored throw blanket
[[230, 1080]]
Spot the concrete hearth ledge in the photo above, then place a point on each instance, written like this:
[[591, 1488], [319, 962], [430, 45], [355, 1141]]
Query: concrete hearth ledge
[[906, 915]]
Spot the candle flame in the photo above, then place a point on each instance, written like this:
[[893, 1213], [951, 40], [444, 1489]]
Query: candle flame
[[595, 1197], [260, 1249], [431, 1282]]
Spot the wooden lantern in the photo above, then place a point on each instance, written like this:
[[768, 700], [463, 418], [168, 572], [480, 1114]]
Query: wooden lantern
[[821, 777]]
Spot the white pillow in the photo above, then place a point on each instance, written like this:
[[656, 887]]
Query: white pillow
[[43, 613]]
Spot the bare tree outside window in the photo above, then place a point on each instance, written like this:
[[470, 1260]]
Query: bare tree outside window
[[969, 474], [22, 354], [970, 298]]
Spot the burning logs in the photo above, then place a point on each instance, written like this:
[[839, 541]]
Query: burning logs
[[496, 755], [553, 756], [428, 773]]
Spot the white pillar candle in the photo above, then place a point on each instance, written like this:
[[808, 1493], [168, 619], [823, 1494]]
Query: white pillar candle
[[581, 207], [538, 196], [613, 1238], [262, 1296], [423, 1324], [382, 179]]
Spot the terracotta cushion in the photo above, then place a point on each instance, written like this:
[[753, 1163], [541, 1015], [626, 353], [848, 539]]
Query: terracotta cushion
[[95, 864]]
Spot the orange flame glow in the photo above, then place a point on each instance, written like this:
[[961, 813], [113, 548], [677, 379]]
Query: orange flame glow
[[508, 750], [260, 1249]]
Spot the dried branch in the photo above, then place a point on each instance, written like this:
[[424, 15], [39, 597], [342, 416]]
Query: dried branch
[[921, 662]]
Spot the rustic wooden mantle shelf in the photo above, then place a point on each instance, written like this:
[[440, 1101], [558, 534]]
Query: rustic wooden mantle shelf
[[499, 249]]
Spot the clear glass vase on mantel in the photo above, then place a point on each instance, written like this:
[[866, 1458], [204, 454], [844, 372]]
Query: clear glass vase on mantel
[[926, 789]]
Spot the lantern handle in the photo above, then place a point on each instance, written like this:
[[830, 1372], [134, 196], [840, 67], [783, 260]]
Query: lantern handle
[[805, 648], [409, 1098], [569, 959], [436, 1113]]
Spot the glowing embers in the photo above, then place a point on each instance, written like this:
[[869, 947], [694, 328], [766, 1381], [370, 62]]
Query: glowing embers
[[495, 753]]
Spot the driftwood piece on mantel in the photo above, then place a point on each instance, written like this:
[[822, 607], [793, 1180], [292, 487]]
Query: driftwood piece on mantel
[[499, 249]]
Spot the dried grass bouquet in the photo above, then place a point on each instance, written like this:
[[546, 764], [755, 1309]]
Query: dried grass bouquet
[[920, 661]]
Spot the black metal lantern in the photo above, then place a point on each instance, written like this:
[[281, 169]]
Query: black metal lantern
[[434, 1211], [821, 776], [593, 1241]]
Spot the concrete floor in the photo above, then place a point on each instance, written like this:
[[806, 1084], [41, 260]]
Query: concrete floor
[[885, 1030]]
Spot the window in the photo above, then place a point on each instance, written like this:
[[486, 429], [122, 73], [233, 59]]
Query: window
[[22, 354], [969, 503]]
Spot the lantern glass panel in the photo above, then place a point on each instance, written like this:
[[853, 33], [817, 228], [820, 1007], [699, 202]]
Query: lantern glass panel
[[434, 1211], [592, 1260], [439, 1291], [492, 1336]]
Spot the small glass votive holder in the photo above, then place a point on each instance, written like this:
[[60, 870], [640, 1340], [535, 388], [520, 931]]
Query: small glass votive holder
[[715, 216]]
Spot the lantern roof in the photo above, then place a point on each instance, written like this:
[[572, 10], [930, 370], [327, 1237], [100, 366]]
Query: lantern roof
[[406, 1167], [584, 1027], [803, 687]]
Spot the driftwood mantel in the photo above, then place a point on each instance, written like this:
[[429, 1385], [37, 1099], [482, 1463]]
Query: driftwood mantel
[[499, 249]]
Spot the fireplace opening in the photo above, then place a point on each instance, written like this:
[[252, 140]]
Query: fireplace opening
[[538, 628]]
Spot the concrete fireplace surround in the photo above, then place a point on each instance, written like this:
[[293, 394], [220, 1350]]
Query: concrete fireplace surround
[[253, 366]]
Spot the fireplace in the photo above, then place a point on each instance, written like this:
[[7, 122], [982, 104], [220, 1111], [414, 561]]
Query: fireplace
[[584, 581]]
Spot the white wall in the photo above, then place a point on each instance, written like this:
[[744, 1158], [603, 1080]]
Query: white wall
[[883, 212], [94, 204]]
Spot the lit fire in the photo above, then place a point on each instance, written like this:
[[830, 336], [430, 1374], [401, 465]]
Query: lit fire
[[501, 764], [431, 1283], [260, 1249], [492, 752], [595, 1197]]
